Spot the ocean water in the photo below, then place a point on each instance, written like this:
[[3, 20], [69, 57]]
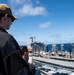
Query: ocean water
[[57, 69]]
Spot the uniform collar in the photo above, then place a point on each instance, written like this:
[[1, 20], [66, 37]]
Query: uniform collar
[[2, 29]]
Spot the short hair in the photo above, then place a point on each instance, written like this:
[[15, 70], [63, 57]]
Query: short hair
[[24, 49], [1, 15]]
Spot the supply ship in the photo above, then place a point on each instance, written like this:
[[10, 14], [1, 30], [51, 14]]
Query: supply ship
[[63, 59]]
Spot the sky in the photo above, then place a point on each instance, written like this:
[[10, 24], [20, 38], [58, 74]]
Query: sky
[[49, 21]]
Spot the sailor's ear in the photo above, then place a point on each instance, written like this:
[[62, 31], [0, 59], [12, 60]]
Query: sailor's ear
[[5, 17]]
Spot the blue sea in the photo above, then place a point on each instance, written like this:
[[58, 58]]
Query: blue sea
[[59, 70]]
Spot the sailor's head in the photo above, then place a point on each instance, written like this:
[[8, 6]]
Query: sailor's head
[[5, 9]]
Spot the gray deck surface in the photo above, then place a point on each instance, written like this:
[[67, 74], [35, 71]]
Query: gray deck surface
[[56, 62]]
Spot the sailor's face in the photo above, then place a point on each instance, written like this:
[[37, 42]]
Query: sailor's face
[[26, 56], [8, 23]]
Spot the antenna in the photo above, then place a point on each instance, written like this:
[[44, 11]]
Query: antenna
[[32, 40]]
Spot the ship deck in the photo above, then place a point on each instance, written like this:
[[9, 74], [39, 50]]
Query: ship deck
[[66, 64]]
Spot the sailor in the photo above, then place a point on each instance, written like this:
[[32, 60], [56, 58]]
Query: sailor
[[26, 57], [11, 61]]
